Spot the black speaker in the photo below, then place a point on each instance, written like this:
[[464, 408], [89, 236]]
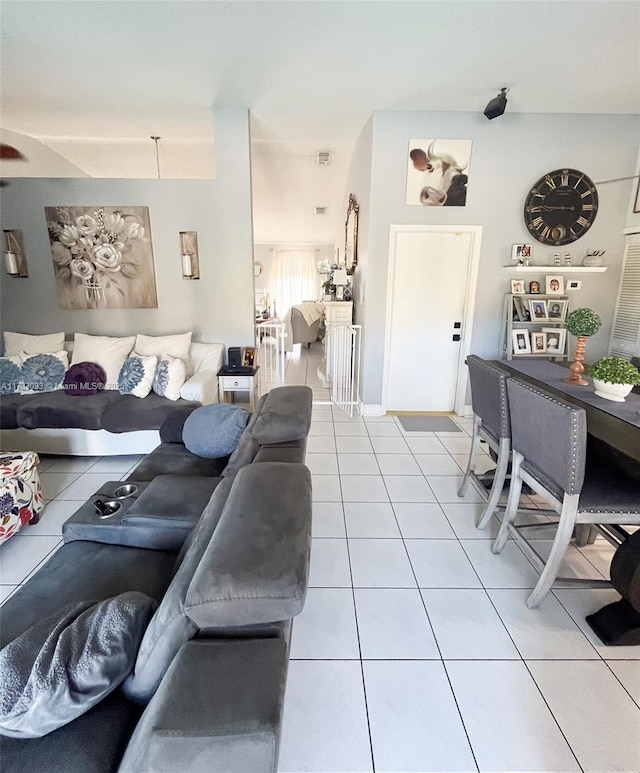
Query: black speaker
[[496, 106], [235, 356]]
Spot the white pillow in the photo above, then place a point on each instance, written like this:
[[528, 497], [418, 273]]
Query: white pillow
[[108, 352], [175, 345], [43, 372], [14, 343], [136, 375], [10, 374], [170, 376]]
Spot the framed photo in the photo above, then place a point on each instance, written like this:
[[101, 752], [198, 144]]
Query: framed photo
[[521, 311], [538, 343], [521, 342], [534, 288], [554, 285], [248, 357], [538, 311], [430, 164], [556, 339], [574, 284], [557, 310], [520, 251], [517, 286]]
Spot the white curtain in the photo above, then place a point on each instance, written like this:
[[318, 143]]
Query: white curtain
[[296, 278]]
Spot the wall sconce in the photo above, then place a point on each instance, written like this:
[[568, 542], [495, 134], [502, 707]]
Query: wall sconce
[[189, 255], [15, 260]]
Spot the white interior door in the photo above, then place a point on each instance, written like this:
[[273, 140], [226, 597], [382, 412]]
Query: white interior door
[[432, 277]]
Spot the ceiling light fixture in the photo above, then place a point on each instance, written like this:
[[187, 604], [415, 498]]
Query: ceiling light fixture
[[497, 105], [156, 140]]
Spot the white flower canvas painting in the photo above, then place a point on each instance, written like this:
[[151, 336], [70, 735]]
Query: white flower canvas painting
[[102, 257]]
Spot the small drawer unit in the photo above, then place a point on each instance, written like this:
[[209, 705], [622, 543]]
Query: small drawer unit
[[229, 383]]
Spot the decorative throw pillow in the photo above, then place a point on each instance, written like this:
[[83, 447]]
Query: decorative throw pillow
[[84, 378], [170, 376], [10, 374], [14, 343], [108, 352], [65, 664], [137, 374], [175, 345], [214, 430], [43, 372]]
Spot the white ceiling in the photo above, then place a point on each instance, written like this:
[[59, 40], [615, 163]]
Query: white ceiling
[[75, 74]]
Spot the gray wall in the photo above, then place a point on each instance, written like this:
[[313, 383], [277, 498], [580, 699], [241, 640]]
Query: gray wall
[[218, 307], [508, 155]]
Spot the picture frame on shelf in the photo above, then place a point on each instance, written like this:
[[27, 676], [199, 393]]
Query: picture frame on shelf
[[538, 342], [521, 251], [554, 284], [517, 286], [521, 342], [534, 288], [574, 284], [248, 356], [538, 310], [521, 311], [557, 309], [556, 339]]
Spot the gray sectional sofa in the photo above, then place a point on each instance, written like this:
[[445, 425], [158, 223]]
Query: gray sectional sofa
[[207, 689]]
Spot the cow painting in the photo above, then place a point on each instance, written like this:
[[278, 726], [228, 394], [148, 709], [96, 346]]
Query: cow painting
[[437, 172]]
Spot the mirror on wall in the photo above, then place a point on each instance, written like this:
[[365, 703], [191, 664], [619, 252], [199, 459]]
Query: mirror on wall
[[351, 235]]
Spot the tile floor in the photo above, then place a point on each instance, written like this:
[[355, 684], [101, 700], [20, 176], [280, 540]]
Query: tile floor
[[415, 651]]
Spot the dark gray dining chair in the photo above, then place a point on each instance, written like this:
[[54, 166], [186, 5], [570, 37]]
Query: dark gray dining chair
[[549, 451], [491, 424]]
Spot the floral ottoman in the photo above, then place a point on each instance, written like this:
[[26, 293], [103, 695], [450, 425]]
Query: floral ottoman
[[20, 492]]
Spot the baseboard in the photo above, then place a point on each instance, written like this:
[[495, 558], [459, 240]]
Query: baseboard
[[371, 409]]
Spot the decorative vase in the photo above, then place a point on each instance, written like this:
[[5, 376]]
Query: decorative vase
[[576, 367], [615, 392]]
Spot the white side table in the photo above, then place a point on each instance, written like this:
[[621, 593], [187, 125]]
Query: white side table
[[230, 382]]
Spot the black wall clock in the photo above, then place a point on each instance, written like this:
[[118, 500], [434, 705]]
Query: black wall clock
[[561, 207]]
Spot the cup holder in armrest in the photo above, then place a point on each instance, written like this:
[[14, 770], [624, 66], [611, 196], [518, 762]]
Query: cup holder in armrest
[[126, 490], [106, 509]]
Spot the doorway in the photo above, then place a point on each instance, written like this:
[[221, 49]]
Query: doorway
[[430, 301]]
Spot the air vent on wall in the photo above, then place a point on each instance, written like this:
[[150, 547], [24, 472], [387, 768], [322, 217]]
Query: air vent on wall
[[321, 210], [323, 158]]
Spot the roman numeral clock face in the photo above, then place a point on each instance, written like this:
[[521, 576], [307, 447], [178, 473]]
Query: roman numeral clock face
[[561, 207]]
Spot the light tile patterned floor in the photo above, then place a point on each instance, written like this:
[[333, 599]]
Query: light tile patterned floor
[[415, 651]]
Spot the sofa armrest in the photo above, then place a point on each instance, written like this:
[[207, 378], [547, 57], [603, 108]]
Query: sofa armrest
[[201, 387], [218, 708]]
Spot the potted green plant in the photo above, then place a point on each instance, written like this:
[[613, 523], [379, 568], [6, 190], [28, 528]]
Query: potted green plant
[[614, 378], [329, 289], [581, 323]]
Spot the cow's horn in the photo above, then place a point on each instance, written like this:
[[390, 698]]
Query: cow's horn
[[430, 154]]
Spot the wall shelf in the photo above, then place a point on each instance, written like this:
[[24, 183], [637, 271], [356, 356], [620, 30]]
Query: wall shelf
[[556, 269]]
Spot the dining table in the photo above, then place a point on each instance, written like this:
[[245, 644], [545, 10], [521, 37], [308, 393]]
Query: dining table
[[615, 425]]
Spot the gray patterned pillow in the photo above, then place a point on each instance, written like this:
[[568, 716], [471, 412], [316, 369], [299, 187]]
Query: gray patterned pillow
[[137, 374], [63, 665], [43, 372]]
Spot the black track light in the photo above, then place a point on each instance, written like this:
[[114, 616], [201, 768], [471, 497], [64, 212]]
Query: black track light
[[497, 105]]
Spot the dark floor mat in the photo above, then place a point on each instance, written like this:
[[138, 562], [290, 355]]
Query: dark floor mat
[[428, 424]]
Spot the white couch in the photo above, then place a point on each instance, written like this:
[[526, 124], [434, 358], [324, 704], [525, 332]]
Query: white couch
[[205, 360]]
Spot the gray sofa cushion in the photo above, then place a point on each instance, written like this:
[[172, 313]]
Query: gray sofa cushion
[[285, 415], [9, 405], [175, 459], [247, 447], [255, 568], [218, 710], [93, 743], [82, 571], [170, 628], [214, 430], [141, 413], [59, 410], [66, 663]]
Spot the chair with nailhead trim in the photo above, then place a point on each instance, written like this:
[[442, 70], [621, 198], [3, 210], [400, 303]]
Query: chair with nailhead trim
[[549, 442]]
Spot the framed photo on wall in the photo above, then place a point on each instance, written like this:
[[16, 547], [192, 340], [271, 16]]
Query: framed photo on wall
[[521, 251], [517, 286], [554, 285], [557, 310], [521, 342], [538, 311]]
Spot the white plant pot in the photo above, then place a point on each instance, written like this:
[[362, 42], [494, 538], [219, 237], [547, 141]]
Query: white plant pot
[[609, 391]]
